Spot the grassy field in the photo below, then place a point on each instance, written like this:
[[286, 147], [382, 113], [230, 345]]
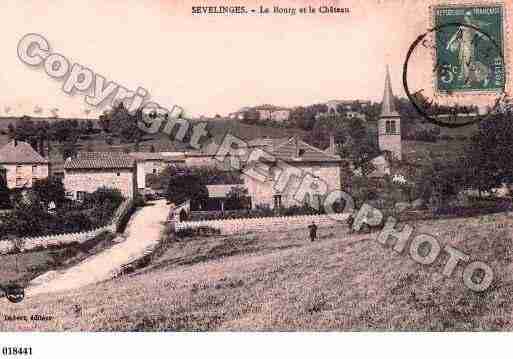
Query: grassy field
[[281, 281]]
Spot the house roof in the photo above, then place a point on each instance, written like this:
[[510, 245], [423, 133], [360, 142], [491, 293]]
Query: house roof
[[156, 156], [20, 152], [98, 160], [220, 190], [294, 150]]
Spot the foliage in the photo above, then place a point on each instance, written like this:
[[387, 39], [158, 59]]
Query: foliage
[[5, 193], [185, 184], [488, 158], [50, 190], [121, 122], [30, 216], [237, 198], [208, 175]]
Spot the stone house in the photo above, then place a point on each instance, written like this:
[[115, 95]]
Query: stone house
[[153, 163], [88, 171], [22, 165], [275, 113], [278, 177]]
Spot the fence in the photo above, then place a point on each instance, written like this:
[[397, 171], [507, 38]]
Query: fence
[[264, 224], [57, 240]]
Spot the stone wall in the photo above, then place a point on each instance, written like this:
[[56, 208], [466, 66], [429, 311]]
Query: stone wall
[[86, 180], [265, 224]]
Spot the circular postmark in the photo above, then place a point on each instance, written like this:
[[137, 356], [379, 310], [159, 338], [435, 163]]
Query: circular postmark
[[454, 75], [14, 292]]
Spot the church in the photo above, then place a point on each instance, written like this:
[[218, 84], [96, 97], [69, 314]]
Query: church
[[389, 134], [389, 123]]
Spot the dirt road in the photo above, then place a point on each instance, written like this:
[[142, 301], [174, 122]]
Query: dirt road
[[143, 232]]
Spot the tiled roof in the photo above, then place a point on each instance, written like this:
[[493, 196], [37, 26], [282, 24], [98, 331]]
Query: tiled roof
[[95, 160], [220, 190], [20, 152], [155, 156], [294, 150]]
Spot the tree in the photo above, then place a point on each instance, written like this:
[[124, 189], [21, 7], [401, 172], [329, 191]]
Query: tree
[[251, 117], [5, 193], [50, 190], [69, 149], [89, 126], [18, 244], [11, 131], [488, 158], [237, 198], [55, 112], [184, 184]]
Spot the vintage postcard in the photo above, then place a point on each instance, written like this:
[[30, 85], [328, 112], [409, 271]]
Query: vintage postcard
[[299, 166]]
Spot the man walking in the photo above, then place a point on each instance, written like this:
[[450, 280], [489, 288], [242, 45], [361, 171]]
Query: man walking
[[313, 231]]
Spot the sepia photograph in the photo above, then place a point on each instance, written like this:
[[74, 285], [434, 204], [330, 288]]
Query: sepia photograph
[[299, 168]]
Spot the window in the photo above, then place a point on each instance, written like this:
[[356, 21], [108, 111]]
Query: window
[[34, 171], [392, 127], [317, 201], [80, 195], [118, 174], [19, 169], [19, 182], [277, 201], [154, 171]]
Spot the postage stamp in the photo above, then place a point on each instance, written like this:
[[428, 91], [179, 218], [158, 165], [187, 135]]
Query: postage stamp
[[469, 48]]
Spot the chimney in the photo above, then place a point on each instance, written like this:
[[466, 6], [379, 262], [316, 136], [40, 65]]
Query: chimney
[[332, 148]]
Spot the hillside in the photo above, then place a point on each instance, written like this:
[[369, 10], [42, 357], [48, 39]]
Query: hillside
[[280, 281], [218, 128]]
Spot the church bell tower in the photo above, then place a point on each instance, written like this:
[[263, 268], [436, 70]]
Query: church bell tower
[[389, 123]]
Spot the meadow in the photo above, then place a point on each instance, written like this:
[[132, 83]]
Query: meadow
[[279, 281]]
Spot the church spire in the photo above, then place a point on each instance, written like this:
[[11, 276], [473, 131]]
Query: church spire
[[387, 106]]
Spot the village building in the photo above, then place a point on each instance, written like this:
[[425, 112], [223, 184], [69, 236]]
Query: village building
[[337, 106], [389, 123], [88, 171], [21, 165], [219, 197], [153, 163], [265, 112], [211, 156], [319, 173]]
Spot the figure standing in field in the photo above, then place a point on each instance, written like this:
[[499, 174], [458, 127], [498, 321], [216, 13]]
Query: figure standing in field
[[464, 41], [313, 231]]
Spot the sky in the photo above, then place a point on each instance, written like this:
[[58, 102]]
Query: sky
[[209, 64]]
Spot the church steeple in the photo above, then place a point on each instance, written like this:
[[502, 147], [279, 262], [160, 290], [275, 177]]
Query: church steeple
[[387, 106], [389, 123]]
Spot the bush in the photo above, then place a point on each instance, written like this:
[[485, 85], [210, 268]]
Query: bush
[[139, 200], [102, 195]]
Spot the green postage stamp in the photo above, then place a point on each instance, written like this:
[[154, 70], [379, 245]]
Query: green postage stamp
[[469, 48]]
